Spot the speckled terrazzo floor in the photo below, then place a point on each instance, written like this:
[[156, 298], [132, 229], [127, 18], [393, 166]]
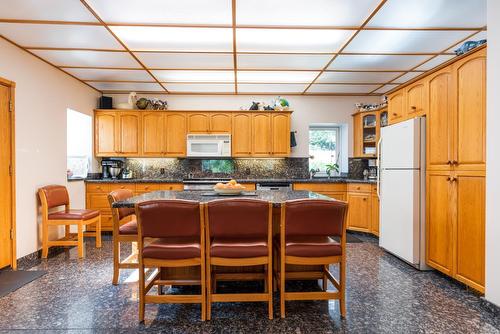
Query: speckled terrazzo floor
[[384, 295]]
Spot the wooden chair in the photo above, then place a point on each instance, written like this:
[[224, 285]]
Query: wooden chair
[[306, 229], [124, 230], [178, 227], [53, 196], [239, 233]]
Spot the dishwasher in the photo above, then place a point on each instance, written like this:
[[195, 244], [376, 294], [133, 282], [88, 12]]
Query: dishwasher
[[279, 185]]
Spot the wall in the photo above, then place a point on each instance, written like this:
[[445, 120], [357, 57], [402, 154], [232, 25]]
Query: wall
[[307, 110], [493, 154], [43, 94]]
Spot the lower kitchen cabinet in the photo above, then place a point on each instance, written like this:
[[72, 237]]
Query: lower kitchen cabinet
[[359, 216], [375, 210]]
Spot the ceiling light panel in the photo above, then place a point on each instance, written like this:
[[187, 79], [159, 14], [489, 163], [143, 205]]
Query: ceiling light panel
[[431, 14], [290, 40], [87, 58], [277, 76], [385, 89], [407, 76], [272, 88], [164, 11], [200, 88], [107, 74], [376, 62], [357, 77], [341, 89], [59, 35], [186, 60], [50, 10], [404, 41], [283, 61], [304, 13], [175, 39], [127, 86], [194, 76], [477, 37], [434, 62]]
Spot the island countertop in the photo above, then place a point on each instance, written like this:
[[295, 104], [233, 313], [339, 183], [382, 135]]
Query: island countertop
[[275, 196]]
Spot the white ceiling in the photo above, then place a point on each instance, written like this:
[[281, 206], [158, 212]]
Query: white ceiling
[[325, 47]]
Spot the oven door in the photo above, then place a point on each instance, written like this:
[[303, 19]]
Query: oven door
[[204, 148]]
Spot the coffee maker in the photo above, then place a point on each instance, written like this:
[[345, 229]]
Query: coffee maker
[[112, 168]]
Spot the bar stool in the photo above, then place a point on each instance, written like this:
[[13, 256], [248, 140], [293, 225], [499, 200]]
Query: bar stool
[[239, 233], [124, 230], [178, 227], [53, 196], [306, 231]]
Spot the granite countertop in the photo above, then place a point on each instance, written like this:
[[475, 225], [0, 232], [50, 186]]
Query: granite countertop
[[275, 196], [167, 180]]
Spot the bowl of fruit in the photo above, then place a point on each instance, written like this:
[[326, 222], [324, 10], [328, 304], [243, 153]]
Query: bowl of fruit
[[230, 188]]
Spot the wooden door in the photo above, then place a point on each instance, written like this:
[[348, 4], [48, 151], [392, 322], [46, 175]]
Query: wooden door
[[359, 212], [375, 224], [439, 224], [415, 99], [220, 123], [129, 127], [470, 226], [175, 134], [439, 121], [6, 218], [105, 141], [357, 125], [396, 107], [153, 134], [261, 135], [470, 148], [198, 123], [280, 129], [241, 140]]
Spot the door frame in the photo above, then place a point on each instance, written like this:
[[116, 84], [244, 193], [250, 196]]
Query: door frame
[[12, 86]]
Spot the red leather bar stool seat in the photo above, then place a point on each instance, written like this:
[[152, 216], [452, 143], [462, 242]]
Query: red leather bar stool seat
[[173, 248]]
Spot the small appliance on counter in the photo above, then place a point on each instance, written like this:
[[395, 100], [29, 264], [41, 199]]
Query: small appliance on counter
[[127, 174], [112, 168], [372, 169]]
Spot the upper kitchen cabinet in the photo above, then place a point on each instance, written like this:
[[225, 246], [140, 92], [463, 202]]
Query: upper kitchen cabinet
[[396, 107], [129, 129], [209, 123], [241, 137], [117, 134], [280, 128], [220, 122], [261, 136], [153, 134], [415, 99], [105, 137], [176, 132], [366, 132]]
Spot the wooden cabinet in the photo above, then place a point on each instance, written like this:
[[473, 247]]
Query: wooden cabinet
[[366, 133], [105, 133], [176, 134], [357, 126], [333, 190], [129, 131], [415, 99], [280, 129], [375, 211], [261, 135], [241, 137], [396, 107], [220, 122], [117, 134], [198, 122], [153, 134], [209, 123]]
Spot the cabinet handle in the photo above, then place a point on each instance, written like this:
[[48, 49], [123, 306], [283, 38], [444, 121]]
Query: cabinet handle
[[448, 178], [448, 162], [364, 198], [413, 108], [454, 162]]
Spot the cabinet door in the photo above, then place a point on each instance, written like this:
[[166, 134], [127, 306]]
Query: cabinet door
[[129, 133], [280, 130], [105, 141], [241, 140], [396, 107], [220, 123], [175, 134], [198, 123], [470, 224], [439, 225], [153, 134], [415, 98], [359, 211], [261, 134], [375, 225], [439, 121], [357, 123], [470, 151]]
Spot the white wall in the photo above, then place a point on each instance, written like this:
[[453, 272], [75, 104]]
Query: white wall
[[43, 94], [307, 110], [493, 156]]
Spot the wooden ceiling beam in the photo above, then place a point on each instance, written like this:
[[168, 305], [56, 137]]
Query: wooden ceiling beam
[[235, 56]]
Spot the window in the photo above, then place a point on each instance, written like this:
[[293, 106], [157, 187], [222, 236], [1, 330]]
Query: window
[[324, 147], [79, 143]]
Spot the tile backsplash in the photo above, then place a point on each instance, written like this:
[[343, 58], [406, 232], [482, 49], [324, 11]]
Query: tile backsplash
[[237, 168]]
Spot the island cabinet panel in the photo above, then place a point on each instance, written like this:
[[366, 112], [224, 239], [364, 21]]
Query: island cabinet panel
[[105, 132], [396, 107], [198, 123], [129, 130], [176, 134], [153, 134], [280, 134], [261, 136], [241, 137], [333, 190], [172, 186]]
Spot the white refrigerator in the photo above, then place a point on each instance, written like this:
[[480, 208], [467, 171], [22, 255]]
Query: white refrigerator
[[401, 190]]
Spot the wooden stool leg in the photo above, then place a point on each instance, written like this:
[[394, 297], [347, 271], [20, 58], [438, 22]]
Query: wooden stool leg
[[116, 259], [141, 293], [45, 240], [282, 287], [270, 289], [209, 291], [98, 233], [66, 230], [342, 288], [80, 239], [325, 278]]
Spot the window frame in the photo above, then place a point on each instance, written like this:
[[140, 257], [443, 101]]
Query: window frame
[[338, 144]]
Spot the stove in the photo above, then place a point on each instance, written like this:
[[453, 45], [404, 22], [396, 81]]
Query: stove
[[202, 183]]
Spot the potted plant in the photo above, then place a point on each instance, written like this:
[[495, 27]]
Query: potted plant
[[330, 168]]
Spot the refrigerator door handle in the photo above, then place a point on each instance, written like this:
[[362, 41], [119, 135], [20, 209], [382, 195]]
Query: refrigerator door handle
[[379, 171]]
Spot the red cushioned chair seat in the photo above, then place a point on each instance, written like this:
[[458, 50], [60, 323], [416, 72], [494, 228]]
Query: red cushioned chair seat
[[173, 248], [129, 228], [238, 247], [74, 214], [312, 246]]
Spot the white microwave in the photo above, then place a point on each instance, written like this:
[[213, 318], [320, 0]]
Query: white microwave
[[209, 145]]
